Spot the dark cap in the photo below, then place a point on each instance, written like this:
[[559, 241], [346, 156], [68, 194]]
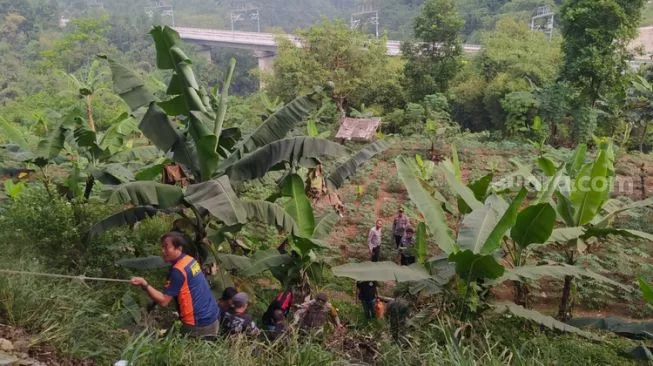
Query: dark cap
[[228, 293], [321, 296]]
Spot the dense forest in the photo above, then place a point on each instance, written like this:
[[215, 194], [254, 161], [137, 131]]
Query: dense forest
[[499, 205]]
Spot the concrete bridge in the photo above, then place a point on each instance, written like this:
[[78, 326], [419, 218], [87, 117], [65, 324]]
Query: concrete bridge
[[263, 45]]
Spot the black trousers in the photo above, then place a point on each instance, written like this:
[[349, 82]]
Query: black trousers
[[397, 240], [407, 260], [376, 252]]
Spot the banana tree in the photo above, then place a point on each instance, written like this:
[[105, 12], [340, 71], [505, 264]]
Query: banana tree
[[584, 206], [188, 126], [302, 264], [87, 88], [499, 222]]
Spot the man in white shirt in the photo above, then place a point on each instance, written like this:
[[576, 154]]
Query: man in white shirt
[[374, 241]]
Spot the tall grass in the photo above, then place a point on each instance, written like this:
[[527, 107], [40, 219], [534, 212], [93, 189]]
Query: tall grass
[[76, 319]]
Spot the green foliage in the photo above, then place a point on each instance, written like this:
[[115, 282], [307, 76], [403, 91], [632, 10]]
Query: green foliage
[[521, 109], [434, 62], [513, 59], [595, 38], [360, 70]]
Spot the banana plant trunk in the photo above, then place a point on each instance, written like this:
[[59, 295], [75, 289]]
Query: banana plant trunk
[[521, 294], [642, 139], [89, 113], [564, 311]]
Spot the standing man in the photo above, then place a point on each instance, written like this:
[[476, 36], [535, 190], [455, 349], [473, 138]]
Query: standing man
[[374, 241], [406, 247], [186, 284], [366, 291], [399, 226]]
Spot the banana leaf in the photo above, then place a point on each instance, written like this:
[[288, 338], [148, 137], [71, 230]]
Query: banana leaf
[[292, 150], [540, 318], [381, 271], [147, 193], [298, 206], [534, 225], [479, 224], [337, 178], [426, 204], [127, 217], [271, 214], [325, 225], [218, 198]]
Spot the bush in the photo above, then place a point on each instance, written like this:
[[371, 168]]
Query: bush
[[50, 229], [395, 185]]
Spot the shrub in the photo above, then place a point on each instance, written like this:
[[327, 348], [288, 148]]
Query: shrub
[[395, 185]]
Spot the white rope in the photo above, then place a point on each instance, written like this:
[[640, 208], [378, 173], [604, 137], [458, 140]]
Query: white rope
[[80, 278]]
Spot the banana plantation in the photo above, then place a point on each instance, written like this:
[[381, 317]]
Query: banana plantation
[[157, 209]]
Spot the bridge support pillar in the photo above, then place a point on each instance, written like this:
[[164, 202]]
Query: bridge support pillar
[[265, 59]]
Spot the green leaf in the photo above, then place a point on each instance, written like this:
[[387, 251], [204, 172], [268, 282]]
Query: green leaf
[[471, 266], [207, 155], [128, 85], [547, 165], [175, 106], [534, 225], [337, 178], [222, 107], [565, 235], [478, 225], [577, 161], [151, 262], [292, 151], [603, 222], [549, 189], [541, 319], [381, 271], [164, 39], [507, 221], [464, 192], [124, 218], [598, 232], [420, 243], [311, 128], [647, 290], [51, 146], [271, 214], [426, 204], [325, 225], [590, 190], [218, 197], [156, 126], [277, 126], [266, 260], [298, 206], [533, 273], [564, 208], [234, 262], [147, 193], [12, 133]]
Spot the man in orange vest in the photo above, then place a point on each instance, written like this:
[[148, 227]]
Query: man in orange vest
[[198, 310]]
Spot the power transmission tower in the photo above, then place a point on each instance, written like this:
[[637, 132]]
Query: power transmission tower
[[95, 4], [366, 16], [159, 9], [543, 20], [243, 13]]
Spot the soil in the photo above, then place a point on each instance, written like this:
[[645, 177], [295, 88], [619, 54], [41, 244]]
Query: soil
[[17, 348]]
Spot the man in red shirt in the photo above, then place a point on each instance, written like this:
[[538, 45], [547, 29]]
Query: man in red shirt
[[198, 310]]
